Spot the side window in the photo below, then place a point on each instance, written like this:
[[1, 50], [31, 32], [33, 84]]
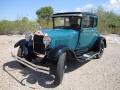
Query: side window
[[88, 22], [95, 22]]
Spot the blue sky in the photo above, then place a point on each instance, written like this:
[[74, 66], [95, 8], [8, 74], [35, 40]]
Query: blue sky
[[15, 9]]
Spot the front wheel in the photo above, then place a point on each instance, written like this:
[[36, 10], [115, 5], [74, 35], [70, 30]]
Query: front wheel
[[21, 55], [60, 68], [101, 50]]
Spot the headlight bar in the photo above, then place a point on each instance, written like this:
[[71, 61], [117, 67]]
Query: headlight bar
[[46, 39], [28, 36]]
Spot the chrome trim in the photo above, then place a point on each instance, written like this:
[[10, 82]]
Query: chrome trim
[[79, 60], [40, 55], [31, 65]]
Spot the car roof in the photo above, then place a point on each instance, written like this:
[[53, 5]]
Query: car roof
[[81, 14]]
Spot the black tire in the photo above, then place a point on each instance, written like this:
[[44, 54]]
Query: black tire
[[101, 50], [60, 69], [20, 54]]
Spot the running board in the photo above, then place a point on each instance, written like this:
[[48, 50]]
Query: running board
[[87, 56], [32, 65]]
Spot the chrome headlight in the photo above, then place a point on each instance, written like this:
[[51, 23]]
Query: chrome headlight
[[46, 40], [28, 36]]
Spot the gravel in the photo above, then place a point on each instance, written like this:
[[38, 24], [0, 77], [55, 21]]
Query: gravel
[[113, 38], [98, 74]]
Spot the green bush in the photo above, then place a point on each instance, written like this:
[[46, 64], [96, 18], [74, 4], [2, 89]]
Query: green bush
[[17, 27], [108, 22]]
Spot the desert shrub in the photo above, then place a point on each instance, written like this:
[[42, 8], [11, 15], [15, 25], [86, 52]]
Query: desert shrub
[[108, 22], [17, 27]]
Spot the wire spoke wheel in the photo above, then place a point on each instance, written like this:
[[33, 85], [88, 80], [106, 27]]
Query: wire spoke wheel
[[101, 50], [20, 54]]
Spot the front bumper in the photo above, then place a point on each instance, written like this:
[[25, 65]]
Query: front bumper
[[32, 65]]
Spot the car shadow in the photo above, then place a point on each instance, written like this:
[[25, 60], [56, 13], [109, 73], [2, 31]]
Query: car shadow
[[73, 65], [43, 79]]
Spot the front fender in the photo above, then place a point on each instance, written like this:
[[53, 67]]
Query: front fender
[[20, 43], [23, 42], [27, 46], [55, 53]]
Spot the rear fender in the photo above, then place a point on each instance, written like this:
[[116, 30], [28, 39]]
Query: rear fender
[[98, 42]]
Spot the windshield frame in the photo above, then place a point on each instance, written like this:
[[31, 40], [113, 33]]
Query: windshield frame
[[66, 27]]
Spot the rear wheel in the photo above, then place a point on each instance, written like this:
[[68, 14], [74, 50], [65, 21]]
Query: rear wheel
[[101, 50], [60, 69], [21, 55]]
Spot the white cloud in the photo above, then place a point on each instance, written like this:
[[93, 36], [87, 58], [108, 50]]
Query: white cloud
[[62, 10], [78, 9], [87, 7], [115, 3], [109, 5], [112, 5]]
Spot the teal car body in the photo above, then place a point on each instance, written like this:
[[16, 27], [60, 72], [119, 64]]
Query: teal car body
[[72, 31], [82, 38], [62, 37], [69, 37]]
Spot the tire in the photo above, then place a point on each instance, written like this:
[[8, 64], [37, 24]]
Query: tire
[[60, 69], [101, 50], [20, 54]]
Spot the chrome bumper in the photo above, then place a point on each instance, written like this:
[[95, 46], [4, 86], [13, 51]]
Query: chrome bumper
[[31, 65]]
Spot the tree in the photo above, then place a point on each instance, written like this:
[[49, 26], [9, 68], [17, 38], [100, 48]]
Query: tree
[[44, 14], [25, 19]]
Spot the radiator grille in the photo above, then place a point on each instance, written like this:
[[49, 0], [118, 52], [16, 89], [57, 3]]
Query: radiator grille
[[39, 46]]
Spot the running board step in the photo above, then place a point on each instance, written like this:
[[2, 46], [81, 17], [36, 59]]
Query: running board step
[[87, 56]]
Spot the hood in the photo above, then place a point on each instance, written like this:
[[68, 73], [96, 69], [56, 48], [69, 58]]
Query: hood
[[59, 33], [67, 37]]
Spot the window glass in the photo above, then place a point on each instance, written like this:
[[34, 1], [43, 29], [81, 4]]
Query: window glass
[[88, 22], [70, 22], [95, 20], [59, 22]]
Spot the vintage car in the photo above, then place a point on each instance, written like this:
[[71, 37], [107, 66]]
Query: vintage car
[[74, 35]]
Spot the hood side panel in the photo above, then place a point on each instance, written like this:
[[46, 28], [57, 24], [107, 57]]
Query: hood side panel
[[62, 37]]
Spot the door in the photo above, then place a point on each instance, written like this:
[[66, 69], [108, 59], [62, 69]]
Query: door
[[88, 34]]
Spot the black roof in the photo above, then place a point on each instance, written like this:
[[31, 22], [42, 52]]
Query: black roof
[[74, 14]]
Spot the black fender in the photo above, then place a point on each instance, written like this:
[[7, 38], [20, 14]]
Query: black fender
[[21, 43], [53, 54], [98, 42], [27, 46]]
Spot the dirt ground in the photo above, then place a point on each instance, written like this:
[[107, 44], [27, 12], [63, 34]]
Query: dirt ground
[[101, 74]]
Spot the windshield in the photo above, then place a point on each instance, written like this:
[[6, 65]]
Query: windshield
[[71, 22]]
